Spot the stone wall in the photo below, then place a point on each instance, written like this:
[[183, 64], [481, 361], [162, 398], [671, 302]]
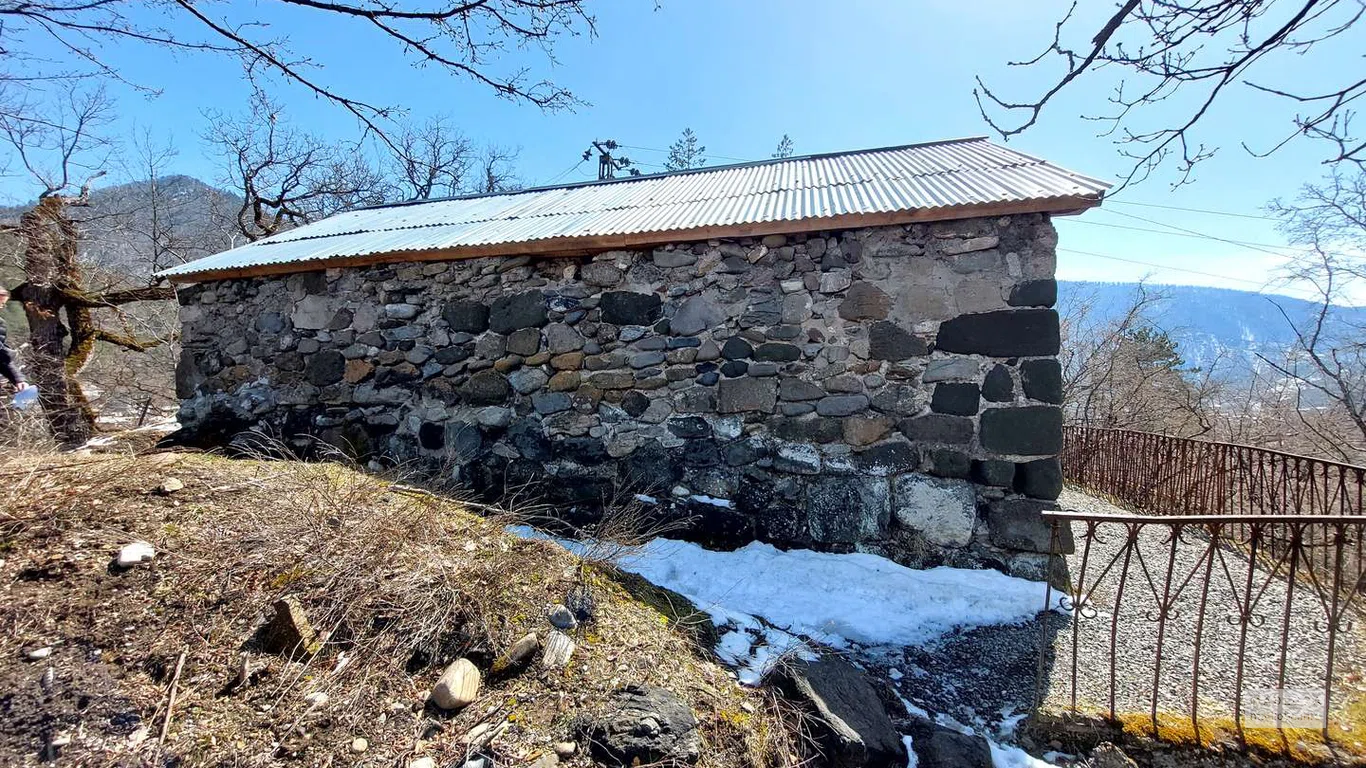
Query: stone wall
[[892, 389]]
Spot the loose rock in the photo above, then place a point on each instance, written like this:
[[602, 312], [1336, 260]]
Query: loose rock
[[135, 554], [562, 618], [559, 649], [645, 725], [458, 685]]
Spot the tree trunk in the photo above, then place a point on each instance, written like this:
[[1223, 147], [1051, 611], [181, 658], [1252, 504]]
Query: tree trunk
[[50, 268]]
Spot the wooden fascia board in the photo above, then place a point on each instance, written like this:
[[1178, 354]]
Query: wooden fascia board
[[559, 247]]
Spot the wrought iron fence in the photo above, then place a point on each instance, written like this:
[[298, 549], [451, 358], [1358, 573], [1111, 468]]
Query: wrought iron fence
[[1206, 619], [1162, 475], [1181, 476]]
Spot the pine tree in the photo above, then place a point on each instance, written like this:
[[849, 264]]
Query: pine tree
[[685, 153]]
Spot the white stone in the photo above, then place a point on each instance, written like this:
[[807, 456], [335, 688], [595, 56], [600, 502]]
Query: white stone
[[562, 618], [317, 699], [422, 762], [312, 313], [834, 282], [458, 686], [943, 511], [135, 554], [359, 744], [40, 653], [559, 649]]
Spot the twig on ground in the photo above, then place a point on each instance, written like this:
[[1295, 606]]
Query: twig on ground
[[170, 705]]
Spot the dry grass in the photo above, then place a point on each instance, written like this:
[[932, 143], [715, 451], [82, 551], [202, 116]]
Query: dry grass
[[399, 584]]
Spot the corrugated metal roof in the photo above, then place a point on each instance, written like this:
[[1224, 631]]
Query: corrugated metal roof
[[915, 178]]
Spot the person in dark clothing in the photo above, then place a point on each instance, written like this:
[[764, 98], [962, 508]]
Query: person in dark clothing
[[9, 363]]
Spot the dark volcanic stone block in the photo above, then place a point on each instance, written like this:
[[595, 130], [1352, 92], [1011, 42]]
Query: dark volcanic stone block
[[1005, 333], [520, 310], [956, 399], [1034, 293], [630, 308], [466, 316], [746, 394], [326, 367], [994, 472], [1041, 479], [889, 341], [777, 352], [937, 428], [1042, 380], [1034, 430], [736, 348], [999, 387]]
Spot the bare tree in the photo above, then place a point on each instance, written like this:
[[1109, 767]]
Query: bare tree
[[286, 176], [60, 303], [435, 159], [1328, 360], [1173, 60], [50, 40], [1126, 373]]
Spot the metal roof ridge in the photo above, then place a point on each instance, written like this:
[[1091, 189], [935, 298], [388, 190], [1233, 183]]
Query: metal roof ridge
[[649, 204], [685, 172]]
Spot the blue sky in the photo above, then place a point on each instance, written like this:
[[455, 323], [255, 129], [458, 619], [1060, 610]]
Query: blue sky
[[833, 76]]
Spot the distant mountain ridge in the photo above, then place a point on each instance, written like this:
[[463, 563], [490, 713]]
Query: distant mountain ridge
[[1209, 324], [195, 219]]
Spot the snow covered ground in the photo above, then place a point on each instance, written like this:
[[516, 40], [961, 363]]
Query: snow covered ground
[[771, 603]]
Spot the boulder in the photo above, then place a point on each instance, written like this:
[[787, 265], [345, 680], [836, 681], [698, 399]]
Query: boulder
[[855, 729], [936, 746], [518, 655], [644, 725], [1019, 524]]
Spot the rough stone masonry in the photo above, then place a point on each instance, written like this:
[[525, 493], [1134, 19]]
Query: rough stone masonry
[[892, 389]]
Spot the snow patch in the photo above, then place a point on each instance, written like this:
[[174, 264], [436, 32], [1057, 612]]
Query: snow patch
[[833, 599], [911, 760], [1007, 756], [702, 498]]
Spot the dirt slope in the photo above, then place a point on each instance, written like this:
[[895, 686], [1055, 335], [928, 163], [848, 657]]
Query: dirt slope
[[397, 585]]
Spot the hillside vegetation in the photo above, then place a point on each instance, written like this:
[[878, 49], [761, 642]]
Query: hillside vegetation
[[167, 661]]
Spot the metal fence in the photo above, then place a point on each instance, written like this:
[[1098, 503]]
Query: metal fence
[[1194, 617], [1181, 476], [1231, 597]]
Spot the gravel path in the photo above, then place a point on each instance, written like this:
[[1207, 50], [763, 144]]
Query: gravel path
[[988, 674]]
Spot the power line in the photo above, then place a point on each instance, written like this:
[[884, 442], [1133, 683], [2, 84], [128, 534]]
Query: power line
[[665, 152], [562, 174], [1193, 210], [1200, 234], [1258, 283], [1240, 243]]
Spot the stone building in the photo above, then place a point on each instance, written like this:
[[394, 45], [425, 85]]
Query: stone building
[[855, 350]]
